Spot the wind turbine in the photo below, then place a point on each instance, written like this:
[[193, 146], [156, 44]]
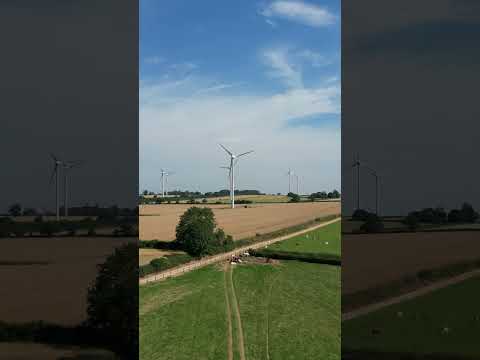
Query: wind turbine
[[67, 166], [57, 164], [375, 174], [357, 164], [164, 180], [290, 173], [233, 161], [298, 186]]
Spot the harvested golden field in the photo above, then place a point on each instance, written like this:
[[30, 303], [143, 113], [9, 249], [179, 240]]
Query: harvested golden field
[[369, 260], [50, 286], [147, 255], [158, 222]]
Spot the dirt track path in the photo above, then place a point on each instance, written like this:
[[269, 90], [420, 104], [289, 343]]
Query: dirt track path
[[229, 315], [177, 271], [411, 295], [236, 308]]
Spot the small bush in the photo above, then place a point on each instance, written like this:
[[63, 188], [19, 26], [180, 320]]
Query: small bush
[[360, 215], [373, 224], [412, 222], [92, 231], [38, 219], [49, 228]]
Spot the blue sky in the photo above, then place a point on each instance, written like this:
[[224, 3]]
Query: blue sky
[[249, 74]]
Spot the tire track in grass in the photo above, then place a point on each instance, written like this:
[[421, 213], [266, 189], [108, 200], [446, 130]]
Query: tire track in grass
[[241, 344], [229, 315]]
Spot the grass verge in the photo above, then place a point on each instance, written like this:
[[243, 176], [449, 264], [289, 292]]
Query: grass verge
[[445, 321], [406, 284], [164, 263]]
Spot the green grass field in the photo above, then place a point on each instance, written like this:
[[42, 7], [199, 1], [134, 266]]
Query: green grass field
[[325, 240], [445, 321], [289, 310], [184, 317]]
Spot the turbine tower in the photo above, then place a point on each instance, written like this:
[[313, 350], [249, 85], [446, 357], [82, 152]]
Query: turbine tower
[[375, 174], [357, 164], [290, 173], [57, 164], [298, 186], [164, 181], [233, 161], [67, 166]]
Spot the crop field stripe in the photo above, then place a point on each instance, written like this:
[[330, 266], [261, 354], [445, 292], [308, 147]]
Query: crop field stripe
[[229, 315], [240, 340], [411, 295]]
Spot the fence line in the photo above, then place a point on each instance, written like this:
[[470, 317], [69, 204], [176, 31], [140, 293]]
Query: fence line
[[224, 256]]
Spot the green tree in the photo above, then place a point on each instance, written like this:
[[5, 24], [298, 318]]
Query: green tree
[[113, 301], [15, 209], [293, 197], [411, 221], [468, 213], [373, 224], [196, 233]]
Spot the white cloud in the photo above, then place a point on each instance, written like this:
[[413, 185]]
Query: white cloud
[[181, 125], [282, 68], [215, 88], [287, 65], [314, 58], [300, 12], [271, 23], [154, 60]]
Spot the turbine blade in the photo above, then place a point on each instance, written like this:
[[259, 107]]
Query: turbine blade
[[228, 151], [245, 153]]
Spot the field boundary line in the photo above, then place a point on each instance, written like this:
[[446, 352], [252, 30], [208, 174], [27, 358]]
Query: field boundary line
[[241, 343], [408, 296], [229, 315], [177, 271]]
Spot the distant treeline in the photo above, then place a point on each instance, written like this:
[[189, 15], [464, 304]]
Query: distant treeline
[[324, 195], [86, 210], [435, 216], [193, 197], [198, 194], [466, 214], [88, 226]]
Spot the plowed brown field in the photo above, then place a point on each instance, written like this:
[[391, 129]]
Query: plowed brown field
[[158, 222], [370, 260], [53, 288]]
